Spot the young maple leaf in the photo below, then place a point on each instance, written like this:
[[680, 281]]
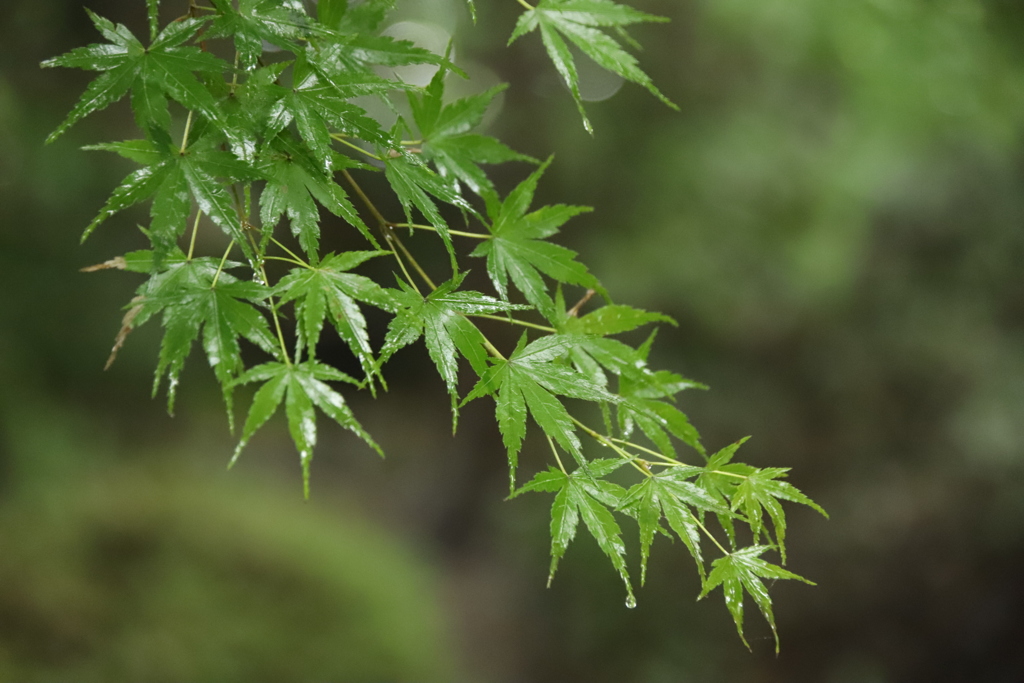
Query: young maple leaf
[[584, 495], [517, 249], [294, 179], [742, 570], [669, 495], [164, 69], [529, 380], [319, 105], [326, 288], [283, 23], [582, 21], [413, 182], [197, 295], [440, 318], [752, 491], [446, 140], [302, 386], [170, 178]]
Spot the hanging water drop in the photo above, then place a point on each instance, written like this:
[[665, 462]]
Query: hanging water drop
[[630, 602]]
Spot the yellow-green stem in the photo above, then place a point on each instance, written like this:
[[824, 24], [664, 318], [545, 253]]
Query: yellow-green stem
[[195, 229], [286, 260], [184, 137], [709, 534], [458, 233], [513, 321], [220, 266], [492, 348], [602, 439], [288, 251], [366, 200], [415, 264], [345, 142], [557, 459], [405, 271], [669, 461]]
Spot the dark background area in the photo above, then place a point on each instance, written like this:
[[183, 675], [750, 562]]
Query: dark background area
[[835, 220]]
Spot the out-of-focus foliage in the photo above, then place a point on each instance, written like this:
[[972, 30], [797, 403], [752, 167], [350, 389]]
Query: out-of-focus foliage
[[160, 572]]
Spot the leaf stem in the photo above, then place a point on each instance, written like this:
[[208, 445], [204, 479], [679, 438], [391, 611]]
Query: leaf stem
[[460, 233], [669, 461], [286, 260], [730, 474], [412, 260], [526, 4], [280, 334], [366, 200], [184, 137], [513, 321], [603, 440], [557, 459], [342, 140], [195, 229], [383, 225], [401, 264], [220, 267], [493, 349], [709, 534], [288, 251]]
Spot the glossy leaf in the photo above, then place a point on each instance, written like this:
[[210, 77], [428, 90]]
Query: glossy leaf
[[303, 388], [440, 318], [578, 497], [529, 380], [581, 22], [741, 571], [518, 250], [326, 289]]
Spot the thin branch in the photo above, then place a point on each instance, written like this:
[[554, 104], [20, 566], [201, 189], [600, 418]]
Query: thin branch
[[195, 229], [459, 233], [342, 140], [513, 321], [184, 137]]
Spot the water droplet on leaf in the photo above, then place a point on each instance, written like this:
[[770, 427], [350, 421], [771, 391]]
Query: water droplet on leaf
[[630, 602]]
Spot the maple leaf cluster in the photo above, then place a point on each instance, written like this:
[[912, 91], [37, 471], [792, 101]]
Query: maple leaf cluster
[[272, 138]]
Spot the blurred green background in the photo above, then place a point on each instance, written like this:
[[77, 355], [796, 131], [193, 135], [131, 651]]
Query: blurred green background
[[835, 218]]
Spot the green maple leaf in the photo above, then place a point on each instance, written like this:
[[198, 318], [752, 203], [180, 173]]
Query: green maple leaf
[[170, 179], [294, 179], [326, 289], [518, 250], [761, 491], [611, 319], [668, 495], [644, 406], [529, 380], [447, 140], [740, 571], [365, 17], [303, 387], [153, 74], [582, 21], [318, 105], [362, 53], [198, 296], [583, 495], [283, 23], [414, 183], [440, 318]]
